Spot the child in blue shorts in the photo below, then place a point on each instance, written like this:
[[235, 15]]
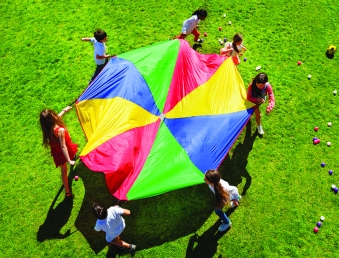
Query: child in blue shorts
[[111, 222], [100, 56]]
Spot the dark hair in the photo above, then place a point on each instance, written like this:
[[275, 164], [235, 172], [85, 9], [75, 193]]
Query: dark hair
[[221, 195], [48, 120], [236, 38], [260, 78], [201, 13], [100, 35], [99, 211]]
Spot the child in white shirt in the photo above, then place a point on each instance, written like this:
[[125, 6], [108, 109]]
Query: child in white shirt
[[189, 26], [100, 56], [111, 222]]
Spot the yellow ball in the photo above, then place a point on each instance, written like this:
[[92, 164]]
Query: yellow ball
[[331, 49]]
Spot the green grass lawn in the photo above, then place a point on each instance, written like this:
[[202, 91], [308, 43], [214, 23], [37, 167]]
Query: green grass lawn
[[285, 190]]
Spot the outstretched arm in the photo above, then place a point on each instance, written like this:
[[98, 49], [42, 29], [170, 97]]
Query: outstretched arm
[[85, 39], [66, 109], [103, 57], [64, 147], [125, 211]]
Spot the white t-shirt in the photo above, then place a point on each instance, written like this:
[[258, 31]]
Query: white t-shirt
[[189, 25], [233, 190], [113, 225], [233, 53], [100, 49]]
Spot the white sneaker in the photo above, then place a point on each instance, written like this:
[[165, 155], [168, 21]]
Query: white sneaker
[[260, 130], [224, 226]]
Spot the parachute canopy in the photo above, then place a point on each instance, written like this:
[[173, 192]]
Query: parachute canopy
[[158, 117]]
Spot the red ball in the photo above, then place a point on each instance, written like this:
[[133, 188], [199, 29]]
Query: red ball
[[205, 34], [220, 28], [299, 63], [316, 128], [316, 230]]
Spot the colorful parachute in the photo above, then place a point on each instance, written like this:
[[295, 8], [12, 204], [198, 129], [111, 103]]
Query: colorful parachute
[[158, 117]]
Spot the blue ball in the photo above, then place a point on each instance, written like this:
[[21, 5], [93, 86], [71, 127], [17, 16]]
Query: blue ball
[[323, 164]]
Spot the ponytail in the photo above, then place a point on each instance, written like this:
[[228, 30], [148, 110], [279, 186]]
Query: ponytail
[[236, 38], [222, 197]]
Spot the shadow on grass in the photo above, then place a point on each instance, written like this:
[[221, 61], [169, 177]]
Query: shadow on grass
[[153, 221], [56, 218], [232, 170], [206, 244]]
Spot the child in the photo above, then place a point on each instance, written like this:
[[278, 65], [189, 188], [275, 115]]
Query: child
[[55, 135], [256, 93], [233, 48], [111, 222], [100, 57], [224, 193], [189, 25]]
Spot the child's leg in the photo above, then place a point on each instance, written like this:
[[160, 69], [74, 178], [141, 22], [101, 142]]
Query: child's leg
[[117, 241], [236, 60], [64, 177], [180, 36], [196, 34], [257, 115], [222, 216], [98, 70]]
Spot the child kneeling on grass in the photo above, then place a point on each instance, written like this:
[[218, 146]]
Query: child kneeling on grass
[[224, 194], [111, 222]]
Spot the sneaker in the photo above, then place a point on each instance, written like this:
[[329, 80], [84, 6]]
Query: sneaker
[[132, 249], [224, 226], [200, 40], [260, 130]]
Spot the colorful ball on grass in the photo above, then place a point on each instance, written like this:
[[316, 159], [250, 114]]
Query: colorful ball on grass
[[335, 190], [319, 224], [322, 218], [328, 144], [330, 172], [329, 124], [224, 15], [245, 59], [220, 29], [299, 63], [205, 34], [309, 76], [229, 23], [316, 128], [333, 186], [225, 39], [316, 230], [335, 92], [322, 164], [76, 178]]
